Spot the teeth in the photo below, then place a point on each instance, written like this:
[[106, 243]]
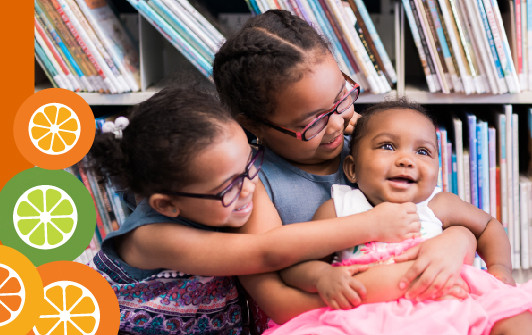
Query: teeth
[[238, 209]]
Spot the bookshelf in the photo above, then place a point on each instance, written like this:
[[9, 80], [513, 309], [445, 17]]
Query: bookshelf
[[161, 63]]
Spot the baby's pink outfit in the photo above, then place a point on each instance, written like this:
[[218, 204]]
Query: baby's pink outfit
[[489, 300]]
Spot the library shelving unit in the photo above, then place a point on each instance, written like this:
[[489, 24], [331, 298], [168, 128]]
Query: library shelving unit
[[161, 63]]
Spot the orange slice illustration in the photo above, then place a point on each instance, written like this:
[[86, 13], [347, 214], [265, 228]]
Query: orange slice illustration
[[71, 309], [54, 128], [12, 294]]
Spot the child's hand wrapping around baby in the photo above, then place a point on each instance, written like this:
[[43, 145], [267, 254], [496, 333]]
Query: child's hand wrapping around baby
[[339, 289], [395, 222]]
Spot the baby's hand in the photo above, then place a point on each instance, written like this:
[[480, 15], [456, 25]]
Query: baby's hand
[[396, 222], [339, 289], [502, 273]]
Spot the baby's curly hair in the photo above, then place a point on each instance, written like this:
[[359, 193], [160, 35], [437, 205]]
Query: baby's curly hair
[[361, 126], [164, 134], [270, 51]]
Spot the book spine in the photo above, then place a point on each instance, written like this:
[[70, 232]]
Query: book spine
[[375, 37], [341, 42], [347, 24], [115, 39], [457, 49], [83, 37], [523, 76], [523, 214], [459, 148], [419, 40], [433, 44], [495, 57], [323, 25], [481, 46], [48, 18], [467, 176], [360, 27], [492, 158], [454, 173], [501, 45], [203, 22], [185, 31], [99, 222], [450, 166], [483, 167], [473, 176], [515, 176], [442, 38], [518, 37], [192, 28], [439, 182], [45, 62], [529, 43], [94, 70], [48, 58], [503, 165], [99, 49], [444, 159], [177, 41], [480, 167]]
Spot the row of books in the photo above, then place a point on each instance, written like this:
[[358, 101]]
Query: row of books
[[347, 25], [479, 161], [462, 45], [185, 28], [83, 47]]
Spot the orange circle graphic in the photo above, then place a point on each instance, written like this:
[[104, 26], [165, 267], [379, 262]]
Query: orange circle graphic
[[54, 128], [78, 293], [21, 292]]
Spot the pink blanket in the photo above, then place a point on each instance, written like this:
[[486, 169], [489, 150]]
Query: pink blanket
[[489, 301]]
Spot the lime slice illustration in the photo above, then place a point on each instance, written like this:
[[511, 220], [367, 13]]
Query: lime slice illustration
[[48, 215], [70, 308], [45, 217], [12, 294], [54, 128]]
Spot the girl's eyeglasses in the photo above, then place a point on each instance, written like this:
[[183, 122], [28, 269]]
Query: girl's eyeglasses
[[319, 123], [229, 194]]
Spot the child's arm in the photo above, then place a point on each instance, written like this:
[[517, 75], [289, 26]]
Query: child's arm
[[493, 243], [268, 248], [281, 302], [340, 289]]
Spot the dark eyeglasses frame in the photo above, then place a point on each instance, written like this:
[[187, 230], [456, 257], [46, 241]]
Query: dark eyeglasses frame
[[258, 157], [301, 135]]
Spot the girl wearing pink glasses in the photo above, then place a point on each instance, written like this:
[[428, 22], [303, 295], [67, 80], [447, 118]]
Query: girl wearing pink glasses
[[281, 82], [171, 262]]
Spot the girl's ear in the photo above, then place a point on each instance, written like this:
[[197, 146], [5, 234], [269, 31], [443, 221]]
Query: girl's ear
[[164, 204], [349, 169]]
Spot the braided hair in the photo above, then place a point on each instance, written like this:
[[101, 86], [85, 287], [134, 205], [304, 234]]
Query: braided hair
[[270, 51], [164, 135]]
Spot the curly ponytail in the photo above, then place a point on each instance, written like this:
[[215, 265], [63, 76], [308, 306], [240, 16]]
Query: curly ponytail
[[164, 134]]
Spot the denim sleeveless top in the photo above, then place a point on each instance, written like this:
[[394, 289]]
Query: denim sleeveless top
[[295, 193], [142, 215], [168, 302]]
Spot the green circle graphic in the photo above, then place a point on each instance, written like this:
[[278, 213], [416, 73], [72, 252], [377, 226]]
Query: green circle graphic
[[48, 215]]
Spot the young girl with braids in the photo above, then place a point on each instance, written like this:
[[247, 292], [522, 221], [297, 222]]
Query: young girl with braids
[[281, 82], [171, 263]]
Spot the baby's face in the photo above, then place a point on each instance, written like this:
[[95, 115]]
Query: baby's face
[[397, 158]]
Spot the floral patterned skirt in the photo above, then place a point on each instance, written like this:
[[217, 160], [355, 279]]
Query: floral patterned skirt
[[171, 302]]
